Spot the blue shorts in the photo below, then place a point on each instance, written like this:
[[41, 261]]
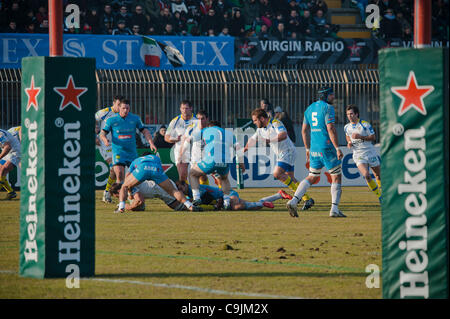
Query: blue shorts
[[122, 159], [209, 167], [326, 157], [287, 167], [148, 170]]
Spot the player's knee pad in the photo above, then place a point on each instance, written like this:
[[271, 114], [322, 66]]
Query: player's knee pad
[[336, 170]]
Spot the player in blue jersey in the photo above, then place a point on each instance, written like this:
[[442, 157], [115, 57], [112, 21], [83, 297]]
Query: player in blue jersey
[[211, 195], [217, 155], [123, 128], [322, 150], [145, 168]]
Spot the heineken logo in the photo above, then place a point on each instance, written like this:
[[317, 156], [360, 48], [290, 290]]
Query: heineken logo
[[412, 95], [70, 94], [32, 92], [31, 248]]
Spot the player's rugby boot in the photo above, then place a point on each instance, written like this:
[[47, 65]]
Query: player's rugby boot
[[107, 197], [308, 204], [336, 213], [11, 195], [268, 204], [284, 195], [292, 209]]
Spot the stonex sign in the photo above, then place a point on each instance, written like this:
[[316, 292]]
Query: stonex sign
[[57, 209], [414, 173]]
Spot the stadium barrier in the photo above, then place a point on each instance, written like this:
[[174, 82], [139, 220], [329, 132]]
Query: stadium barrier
[[155, 95]]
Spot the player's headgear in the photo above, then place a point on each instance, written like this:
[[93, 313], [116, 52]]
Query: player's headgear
[[324, 92]]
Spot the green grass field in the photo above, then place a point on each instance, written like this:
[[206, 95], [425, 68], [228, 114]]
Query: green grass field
[[265, 254]]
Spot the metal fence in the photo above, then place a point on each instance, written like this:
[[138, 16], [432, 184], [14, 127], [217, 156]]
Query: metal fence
[[155, 95]]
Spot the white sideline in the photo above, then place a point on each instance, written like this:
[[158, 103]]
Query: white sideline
[[175, 286]]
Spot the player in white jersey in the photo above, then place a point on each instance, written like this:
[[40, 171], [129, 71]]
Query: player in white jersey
[[273, 132], [106, 151], [176, 129], [360, 135], [147, 190], [9, 158]]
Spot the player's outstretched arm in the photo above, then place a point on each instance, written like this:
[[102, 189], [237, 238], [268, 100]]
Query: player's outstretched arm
[[149, 139]]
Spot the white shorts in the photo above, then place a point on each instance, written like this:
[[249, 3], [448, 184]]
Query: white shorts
[[369, 157], [185, 158], [13, 157], [106, 152], [287, 157]]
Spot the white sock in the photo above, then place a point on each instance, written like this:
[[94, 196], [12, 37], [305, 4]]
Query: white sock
[[249, 205], [188, 204], [122, 205], [271, 198], [226, 200], [301, 190], [336, 192], [196, 194]]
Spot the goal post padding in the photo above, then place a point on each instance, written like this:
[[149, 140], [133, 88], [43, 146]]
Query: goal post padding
[[57, 207]]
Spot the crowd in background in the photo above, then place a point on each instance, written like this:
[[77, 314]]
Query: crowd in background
[[239, 18]]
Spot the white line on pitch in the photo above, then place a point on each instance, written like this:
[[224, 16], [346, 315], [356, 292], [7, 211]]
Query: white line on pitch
[[176, 286]]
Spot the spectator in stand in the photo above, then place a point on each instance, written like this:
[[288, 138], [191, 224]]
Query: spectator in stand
[[163, 4], [122, 29], [264, 7], [389, 26], [293, 24], [317, 5], [407, 34], [138, 18], [267, 19], [237, 24], [279, 18], [151, 8], [12, 27], [225, 32], [107, 19], [264, 32], [179, 23], [87, 29], [211, 22], [280, 31], [93, 20], [266, 106], [43, 27], [165, 18], [168, 29], [384, 5], [180, 6], [30, 28], [403, 22], [158, 139], [439, 20], [205, 5], [226, 20], [305, 27], [250, 11], [406, 8], [42, 14], [293, 35], [31, 19], [136, 29], [286, 120], [322, 28], [125, 16], [220, 6], [16, 13]]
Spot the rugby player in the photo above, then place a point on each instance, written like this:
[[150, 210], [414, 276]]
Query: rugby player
[[273, 132], [360, 135], [106, 151], [322, 149], [174, 133], [9, 158]]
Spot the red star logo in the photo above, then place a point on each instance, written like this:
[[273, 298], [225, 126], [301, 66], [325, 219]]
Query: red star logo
[[245, 49], [70, 94], [32, 94], [166, 167], [354, 49], [412, 95]]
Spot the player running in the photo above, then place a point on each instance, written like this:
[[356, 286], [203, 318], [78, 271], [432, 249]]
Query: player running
[[106, 151], [147, 190], [273, 132], [322, 149], [175, 131], [145, 168], [9, 158], [123, 138], [360, 135]]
